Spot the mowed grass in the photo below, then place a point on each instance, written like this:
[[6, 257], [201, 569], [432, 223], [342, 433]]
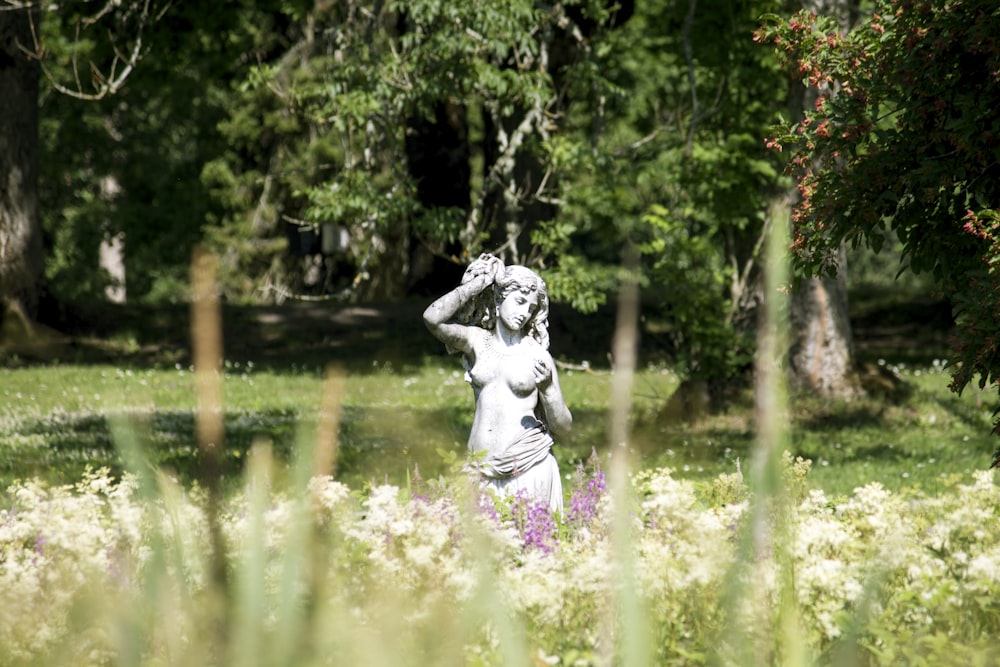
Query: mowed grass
[[400, 422], [926, 442], [57, 420]]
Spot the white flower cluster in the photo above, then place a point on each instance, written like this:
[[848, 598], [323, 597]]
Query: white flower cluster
[[692, 545], [59, 547], [78, 564]]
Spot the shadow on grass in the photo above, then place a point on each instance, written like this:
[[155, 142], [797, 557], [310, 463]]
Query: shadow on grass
[[376, 445], [913, 332], [861, 432], [848, 416], [971, 414]]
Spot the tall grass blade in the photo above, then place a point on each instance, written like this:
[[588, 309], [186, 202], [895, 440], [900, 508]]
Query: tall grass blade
[[771, 519], [302, 564], [206, 342], [155, 615], [488, 608], [250, 604], [132, 623], [761, 625], [633, 635], [328, 423]]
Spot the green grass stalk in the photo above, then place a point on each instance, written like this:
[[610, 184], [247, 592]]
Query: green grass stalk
[[206, 338], [632, 634], [250, 599]]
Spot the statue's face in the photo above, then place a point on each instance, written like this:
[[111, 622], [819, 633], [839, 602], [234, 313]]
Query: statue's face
[[517, 308]]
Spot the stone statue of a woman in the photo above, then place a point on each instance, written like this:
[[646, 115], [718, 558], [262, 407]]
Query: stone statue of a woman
[[498, 319]]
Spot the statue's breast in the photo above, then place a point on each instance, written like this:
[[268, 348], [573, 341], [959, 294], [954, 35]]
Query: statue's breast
[[513, 369]]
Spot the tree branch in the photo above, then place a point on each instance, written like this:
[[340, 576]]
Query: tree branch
[[106, 81]]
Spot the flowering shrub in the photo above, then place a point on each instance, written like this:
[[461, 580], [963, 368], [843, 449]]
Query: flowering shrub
[[109, 570], [902, 136]]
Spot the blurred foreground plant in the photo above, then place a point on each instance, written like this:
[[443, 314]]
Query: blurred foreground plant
[[117, 571]]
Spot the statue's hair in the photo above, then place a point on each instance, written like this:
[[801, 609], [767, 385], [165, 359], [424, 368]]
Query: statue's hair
[[483, 309]]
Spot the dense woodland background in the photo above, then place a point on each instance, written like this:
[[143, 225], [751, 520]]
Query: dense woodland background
[[364, 151]]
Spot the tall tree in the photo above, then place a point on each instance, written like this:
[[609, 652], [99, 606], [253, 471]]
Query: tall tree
[[129, 166], [821, 352], [555, 134], [58, 43], [20, 232], [358, 96], [673, 163]]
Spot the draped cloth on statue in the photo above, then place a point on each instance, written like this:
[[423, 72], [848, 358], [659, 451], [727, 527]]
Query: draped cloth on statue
[[525, 464]]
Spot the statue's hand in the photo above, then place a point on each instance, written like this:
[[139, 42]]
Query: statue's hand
[[543, 373], [478, 279], [483, 272], [495, 266]]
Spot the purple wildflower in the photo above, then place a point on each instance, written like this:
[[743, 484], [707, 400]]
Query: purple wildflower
[[39, 548], [535, 523], [487, 507], [587, 493], [40, 543]]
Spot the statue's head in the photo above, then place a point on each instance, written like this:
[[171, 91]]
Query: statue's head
[[520, 294]]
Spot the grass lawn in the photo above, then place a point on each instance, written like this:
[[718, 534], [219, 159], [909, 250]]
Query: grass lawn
[[927, 442], [55, 420], [406, 406], [403, 413]]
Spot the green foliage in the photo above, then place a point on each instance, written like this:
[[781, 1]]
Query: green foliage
[[648, 119], [130, 163], [74, 242], [581, 283], [348, 90], [700, 326], [555, 135], [666, 160], [977, 309], [906, 143], [885, 272]]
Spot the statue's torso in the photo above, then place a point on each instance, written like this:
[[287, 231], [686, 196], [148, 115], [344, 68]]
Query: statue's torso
[[506, 393]]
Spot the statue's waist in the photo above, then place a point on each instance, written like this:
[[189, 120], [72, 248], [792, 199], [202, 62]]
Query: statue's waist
[[526, 450]]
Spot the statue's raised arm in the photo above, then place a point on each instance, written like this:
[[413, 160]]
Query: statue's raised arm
[[450, 317], [498, 319]]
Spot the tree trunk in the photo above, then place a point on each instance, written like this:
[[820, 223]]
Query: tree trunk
[[821, 346], [20, 229], [821, 351]]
